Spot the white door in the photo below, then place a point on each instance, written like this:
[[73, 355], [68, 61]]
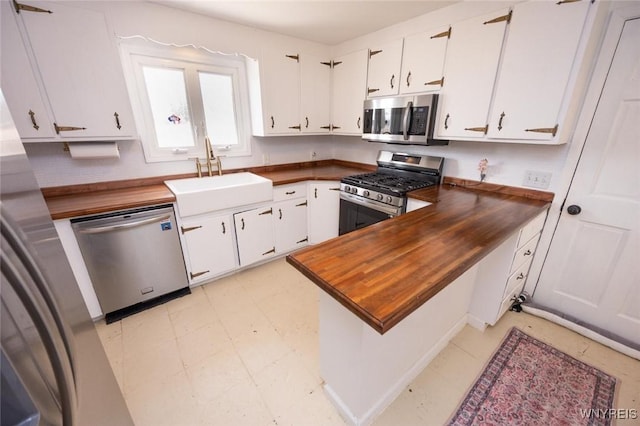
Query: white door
[[592, 271], [348, 90], [315, 94]]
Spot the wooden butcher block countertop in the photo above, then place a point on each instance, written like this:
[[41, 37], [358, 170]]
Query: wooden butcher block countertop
[[96, 198], [385, 271]]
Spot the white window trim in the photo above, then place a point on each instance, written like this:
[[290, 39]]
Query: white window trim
[[136, 52]]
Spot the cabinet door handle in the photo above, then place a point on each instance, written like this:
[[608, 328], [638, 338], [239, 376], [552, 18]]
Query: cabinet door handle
[[334, 189], [191, 228], [197, 274], [306, 119], [273, 122], [358, 123], [446, 122], [393, 77], [520, 276], [500, 121], [270, 211], [273, 250], [224, 228], [33, 119], [66, 128], [280, 211], [527, 253], [115, 114], [409, 79], [290, 192], [315, 193], [242, 221]]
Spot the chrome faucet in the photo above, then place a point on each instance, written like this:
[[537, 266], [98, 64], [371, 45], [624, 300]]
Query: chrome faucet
[[210, 157]]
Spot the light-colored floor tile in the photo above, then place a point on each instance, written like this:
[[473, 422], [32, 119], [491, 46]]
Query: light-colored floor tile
[[213, 376], [243, 350], [203, 343], [152, 364], [239, 405]]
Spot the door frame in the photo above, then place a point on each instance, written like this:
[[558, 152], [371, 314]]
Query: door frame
[[601, 47]]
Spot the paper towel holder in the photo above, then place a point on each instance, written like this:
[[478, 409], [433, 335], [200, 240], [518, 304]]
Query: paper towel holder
[[67, 147]]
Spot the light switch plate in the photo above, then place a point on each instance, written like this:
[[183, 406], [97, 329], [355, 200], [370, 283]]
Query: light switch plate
[[536, 179]]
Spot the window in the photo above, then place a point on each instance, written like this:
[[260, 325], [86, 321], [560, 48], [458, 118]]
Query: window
[[182, 95]]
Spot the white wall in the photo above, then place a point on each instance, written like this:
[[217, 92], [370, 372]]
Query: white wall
[[507, 162]]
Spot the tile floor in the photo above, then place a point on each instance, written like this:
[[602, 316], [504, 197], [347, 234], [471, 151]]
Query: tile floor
[[243, 350]]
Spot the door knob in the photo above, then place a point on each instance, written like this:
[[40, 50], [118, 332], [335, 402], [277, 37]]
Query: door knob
[[573, 209]]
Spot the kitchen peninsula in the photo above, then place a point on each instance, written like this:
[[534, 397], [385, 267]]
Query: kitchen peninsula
[[396, 292]]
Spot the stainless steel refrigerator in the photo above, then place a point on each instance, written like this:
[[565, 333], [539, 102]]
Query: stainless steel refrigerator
[[54, 369]]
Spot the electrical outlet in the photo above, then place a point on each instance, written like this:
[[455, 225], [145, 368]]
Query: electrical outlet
[[313, 156], [265, 159], [535, 179]]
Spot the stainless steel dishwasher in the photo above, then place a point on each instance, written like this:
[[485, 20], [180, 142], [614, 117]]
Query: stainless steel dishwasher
[[133, 257]]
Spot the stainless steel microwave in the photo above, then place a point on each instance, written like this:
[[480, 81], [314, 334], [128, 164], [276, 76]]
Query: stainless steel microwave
[[406, 120]]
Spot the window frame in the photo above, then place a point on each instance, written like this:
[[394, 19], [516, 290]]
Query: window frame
[[192, 60]]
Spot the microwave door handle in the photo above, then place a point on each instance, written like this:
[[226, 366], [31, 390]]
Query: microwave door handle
[[406, 119]]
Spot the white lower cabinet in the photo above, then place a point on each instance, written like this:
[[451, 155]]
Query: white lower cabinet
[[290, 224], [503, 274], [324, 211], [209, 246], [254, 231]]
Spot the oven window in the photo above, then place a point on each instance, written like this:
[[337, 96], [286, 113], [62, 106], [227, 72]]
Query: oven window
[[354, 216]]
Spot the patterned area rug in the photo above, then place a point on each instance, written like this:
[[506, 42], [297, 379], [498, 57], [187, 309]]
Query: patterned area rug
[[528, 382]]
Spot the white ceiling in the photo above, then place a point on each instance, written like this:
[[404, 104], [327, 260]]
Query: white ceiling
[[329, 22]]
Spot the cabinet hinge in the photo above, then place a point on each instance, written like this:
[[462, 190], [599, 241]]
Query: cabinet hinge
[[373, 52], [446, 34], [484, 129], [329, 64], [370, 91], [301, 204], [273, 250], [296, 57], [561, 2], [435, 82], [552, 130], [270, 211], [197, 274], [298, 127], [506, 17], [18, 7], [304, 240], [191, 228], [66, 128]]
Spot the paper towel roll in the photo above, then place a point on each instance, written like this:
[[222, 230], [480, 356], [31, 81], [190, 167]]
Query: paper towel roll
[[91, 150]]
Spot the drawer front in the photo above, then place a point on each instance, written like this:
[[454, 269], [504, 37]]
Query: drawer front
[[524, 253], [289, 192], [518, 278], [532, 228]]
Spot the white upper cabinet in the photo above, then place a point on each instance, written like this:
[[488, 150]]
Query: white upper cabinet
[[76, 59], [537, 62], [19, 84], [280, 83], [295, 91], [471, 65], [383, 78], [423, 61], [315, 94], [348, 92]]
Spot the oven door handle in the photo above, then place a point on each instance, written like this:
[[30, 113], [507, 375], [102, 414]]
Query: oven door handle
[[406, 119]]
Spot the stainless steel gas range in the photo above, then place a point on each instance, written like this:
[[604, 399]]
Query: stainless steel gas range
[[369, 198]]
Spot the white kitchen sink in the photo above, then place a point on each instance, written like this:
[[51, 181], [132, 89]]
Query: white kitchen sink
[[211, 193]]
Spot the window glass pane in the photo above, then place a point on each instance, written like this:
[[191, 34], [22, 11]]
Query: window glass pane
[[169, 107], [219, 108]]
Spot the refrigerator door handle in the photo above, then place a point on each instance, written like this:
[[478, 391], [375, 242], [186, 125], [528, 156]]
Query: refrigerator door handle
[[46, 321]]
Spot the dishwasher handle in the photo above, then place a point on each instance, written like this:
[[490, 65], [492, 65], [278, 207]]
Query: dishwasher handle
[[110, 228]]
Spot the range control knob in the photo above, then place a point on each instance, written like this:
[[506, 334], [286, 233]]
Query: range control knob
[[389, 199], [347, 188], [380, 197], [365, 193]]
